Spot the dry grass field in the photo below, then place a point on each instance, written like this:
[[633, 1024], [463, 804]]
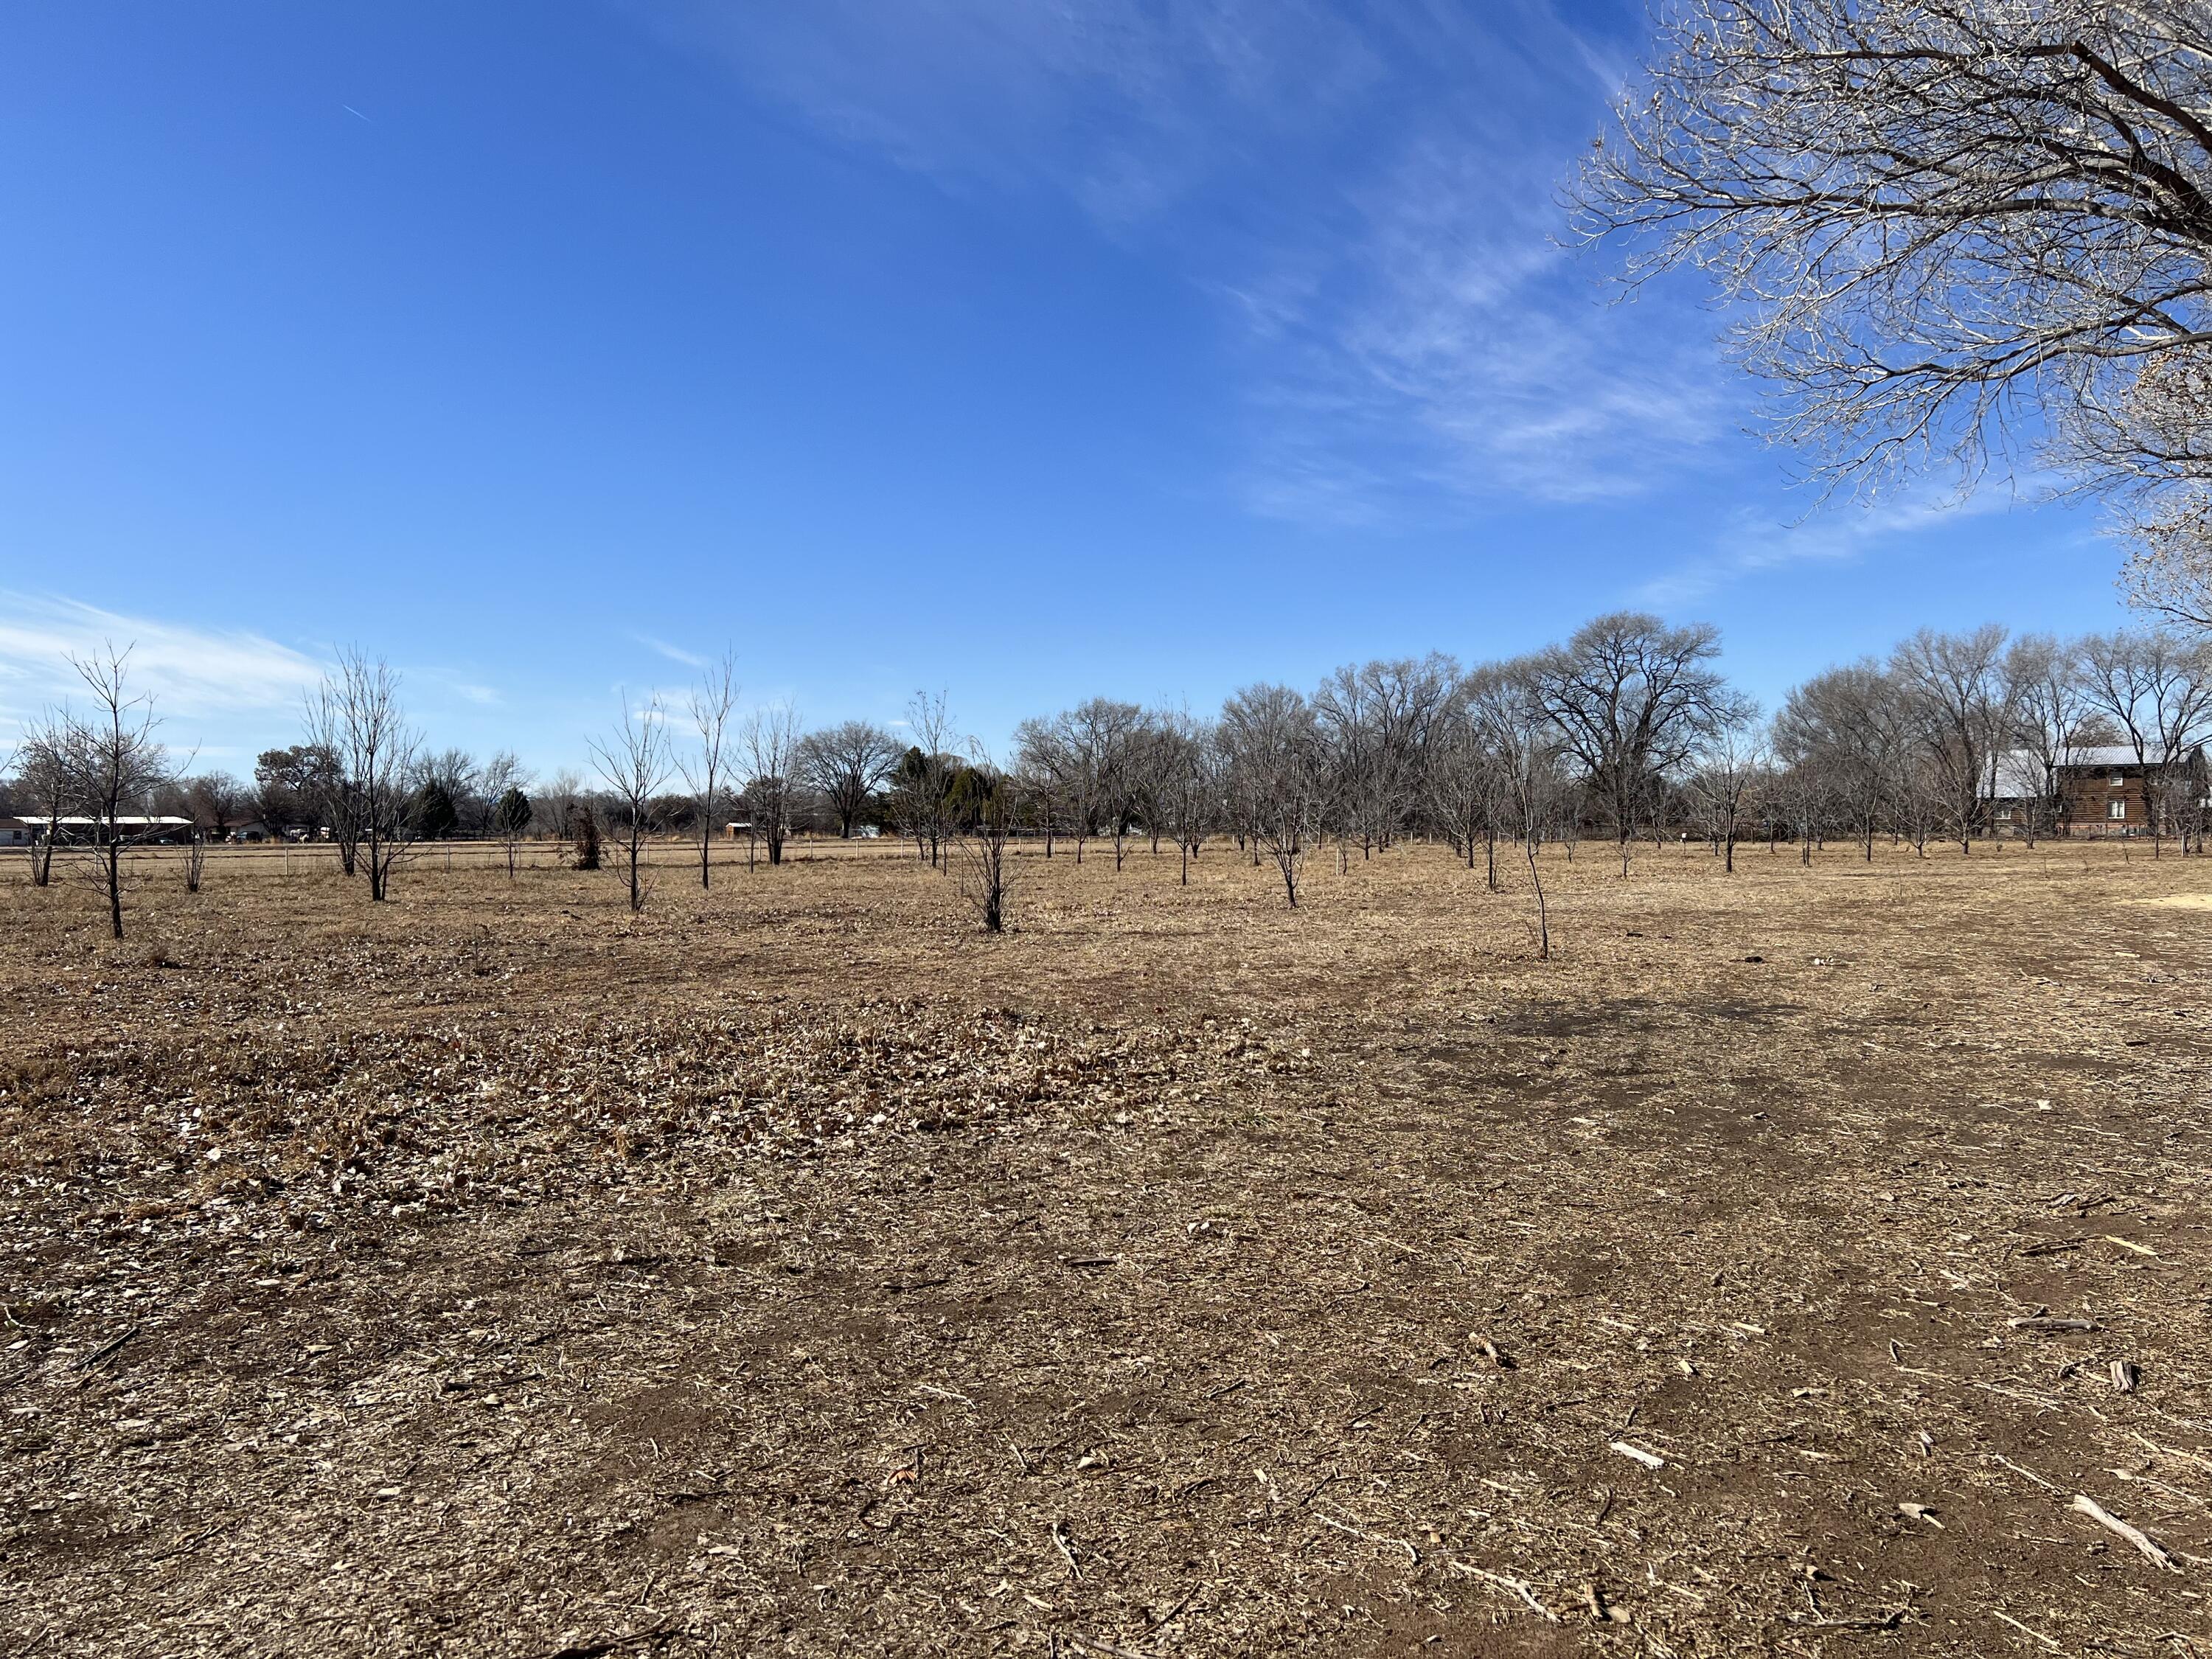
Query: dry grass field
[[797, 1270]]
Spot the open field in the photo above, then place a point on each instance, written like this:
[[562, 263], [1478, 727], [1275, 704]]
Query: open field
[[797, 1270]]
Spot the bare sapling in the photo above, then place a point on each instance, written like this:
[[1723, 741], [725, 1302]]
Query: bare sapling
[[711, 704], [632, 760], [772, 738], [985, 841], [45, 772], [356, 715], [117, 764]]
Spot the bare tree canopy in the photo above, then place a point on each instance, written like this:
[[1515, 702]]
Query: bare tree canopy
[[217, 802], [845, 764], [2156, 688], [986, 871], [633, 760], [771, 739], [711, 704], [114, 762], [1273, 752], [354, 716], [1631, 698], [923, 777], [1374, 718], [1952, 225], [1956, 705], [46, 769]]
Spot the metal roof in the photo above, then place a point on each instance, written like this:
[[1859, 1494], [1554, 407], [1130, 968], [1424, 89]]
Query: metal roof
[[2020, 773]]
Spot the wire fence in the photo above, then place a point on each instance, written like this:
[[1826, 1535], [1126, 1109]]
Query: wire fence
[[308, 858]]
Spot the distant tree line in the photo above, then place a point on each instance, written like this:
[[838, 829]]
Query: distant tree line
[[1626, 730]]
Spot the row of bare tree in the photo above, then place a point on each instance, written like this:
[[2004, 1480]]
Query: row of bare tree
[[1626, 728], [1959, 735]]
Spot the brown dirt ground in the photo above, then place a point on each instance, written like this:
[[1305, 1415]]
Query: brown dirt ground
[[797, 1271]]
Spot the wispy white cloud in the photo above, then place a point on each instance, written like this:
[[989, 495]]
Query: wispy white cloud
[[1448, 347], [193, 672], [673, 653], [1840, 533], [1369, 192], [1126, 110], [1441, 343]]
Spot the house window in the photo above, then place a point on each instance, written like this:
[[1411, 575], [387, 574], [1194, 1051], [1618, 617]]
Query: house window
[[2004, 815], [2117, 810], [2119, 780]]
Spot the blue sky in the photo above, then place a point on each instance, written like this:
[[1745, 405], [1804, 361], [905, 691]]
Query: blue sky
[[1027, 351]]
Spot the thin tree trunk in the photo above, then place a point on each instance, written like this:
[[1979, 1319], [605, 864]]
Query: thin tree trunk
[[1543, 913]]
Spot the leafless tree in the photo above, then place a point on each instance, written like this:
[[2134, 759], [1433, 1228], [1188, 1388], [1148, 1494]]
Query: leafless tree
[[1804, 794], [116, 764], [1457, 775], [2157, 688], [331, 790], [1092, 752], [217, 802], [555, 803], [632, 760], [984, 841], [712, 703], [1054, 773], [508, 810], [1476, 754], [356, 715], [1954, 684], [1187, 785], [771, 748], [47, 770], [845, 764], [1840, 740], [1926, 796], [2170, 569], [1631, 698], [922, 782], [1206, 812], [2048, 709], [1268, 736], [1118, 735], [1374, 718], [1517, 725], [501, 771], [1730, 760], [1948, 224], [1154, 755]]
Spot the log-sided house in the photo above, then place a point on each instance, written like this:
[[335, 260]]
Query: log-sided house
[[2102, 790]]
